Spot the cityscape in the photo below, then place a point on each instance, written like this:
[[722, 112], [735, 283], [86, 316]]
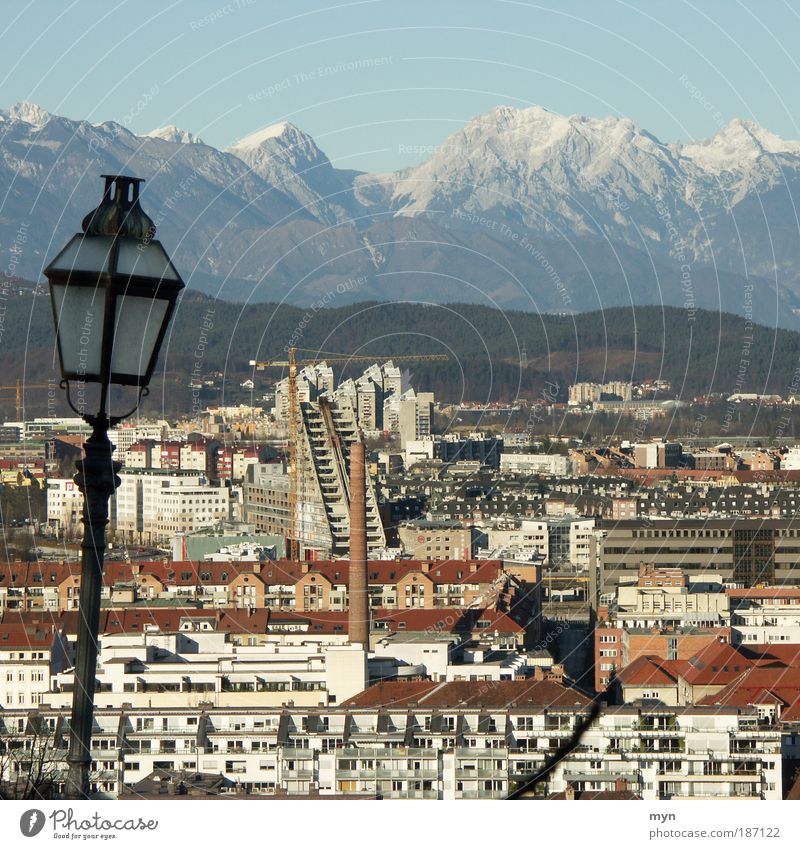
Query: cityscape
[[457, 462]]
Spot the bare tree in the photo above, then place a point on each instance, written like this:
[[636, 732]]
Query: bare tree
[[32, 764]]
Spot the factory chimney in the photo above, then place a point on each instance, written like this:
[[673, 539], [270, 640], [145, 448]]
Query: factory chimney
[[358, 614]]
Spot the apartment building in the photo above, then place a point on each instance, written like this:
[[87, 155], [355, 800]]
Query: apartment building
[[765, 615], [208, 457], [153, 505], [765, 677], [743, 551], [312, 382], [123, 436], [322, 514], [30, 657], [190, 656], [277, 585], [559, 540], [536, 464], [32, 586], [453, 449], [433, 741], [432, 540], [230, 463], [414, 416], [617, 648], [664, 598], [586, 393], [198, 663], [365, 396], [64, 506]]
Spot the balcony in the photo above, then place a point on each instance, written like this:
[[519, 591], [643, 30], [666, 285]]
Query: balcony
[[480, 794], [472, 774], [739, 751], [410, 794], [350, 773], [475, 754], [298, 774], [402, 773]]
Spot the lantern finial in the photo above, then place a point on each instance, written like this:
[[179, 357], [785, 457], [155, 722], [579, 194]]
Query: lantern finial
[[120, 215]]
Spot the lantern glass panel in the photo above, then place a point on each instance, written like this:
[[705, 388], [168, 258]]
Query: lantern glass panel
[[142, 259], [80, 311], [137, 325], [84, 254]]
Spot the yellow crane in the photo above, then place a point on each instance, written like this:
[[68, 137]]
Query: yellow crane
[[292, 363], [17, 388]]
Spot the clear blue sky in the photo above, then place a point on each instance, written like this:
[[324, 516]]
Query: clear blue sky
[[399, 75]]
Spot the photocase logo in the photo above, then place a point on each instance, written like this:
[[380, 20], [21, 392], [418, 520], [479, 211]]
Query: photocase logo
[[31, 822]]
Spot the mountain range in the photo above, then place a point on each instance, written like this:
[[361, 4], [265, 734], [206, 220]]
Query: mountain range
[[520, 209]]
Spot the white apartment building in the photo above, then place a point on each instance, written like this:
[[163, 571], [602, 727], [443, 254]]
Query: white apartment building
[[64, 506], [791, 459], [29, 663], [560, 540], [194, 456], [199, 664], [765, 615], [434, 751], [668, 607], [678, 753], [587, 393], [152, 505], [645, 455], [414, 415], [312, 381], [527, 534], [537, 464], [124, 435], [43, 428]]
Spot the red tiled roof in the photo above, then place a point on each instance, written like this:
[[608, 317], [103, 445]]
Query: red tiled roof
[[387, 571], [134, 619], [765, 592], [444, 620], [792, 712], [448, 620], [718, 663], [760, 685], [772, 654], [649, 670], [392, 693], [188, 572], [452, 694], [13, 636]]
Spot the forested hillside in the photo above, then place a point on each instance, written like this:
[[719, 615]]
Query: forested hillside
[[494, 354]]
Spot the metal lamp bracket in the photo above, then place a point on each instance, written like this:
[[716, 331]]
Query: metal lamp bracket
[[93, 420]]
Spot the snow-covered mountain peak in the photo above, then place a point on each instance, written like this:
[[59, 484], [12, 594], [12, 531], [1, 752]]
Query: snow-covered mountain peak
[[289, 159], [736, 147], [279, 147], [174, 134], [534, 123], [30, 113], [284, 130], [534, 134]]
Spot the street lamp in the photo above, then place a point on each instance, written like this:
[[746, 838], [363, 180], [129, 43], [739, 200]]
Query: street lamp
[[113, 291]]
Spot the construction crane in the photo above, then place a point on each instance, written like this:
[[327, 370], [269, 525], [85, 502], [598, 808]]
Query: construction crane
[[17, 388], [292, 363]]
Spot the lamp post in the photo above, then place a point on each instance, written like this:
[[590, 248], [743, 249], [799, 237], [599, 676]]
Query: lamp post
[[113, 291]]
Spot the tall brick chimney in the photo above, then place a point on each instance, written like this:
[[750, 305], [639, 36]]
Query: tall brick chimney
[[358, 614]]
